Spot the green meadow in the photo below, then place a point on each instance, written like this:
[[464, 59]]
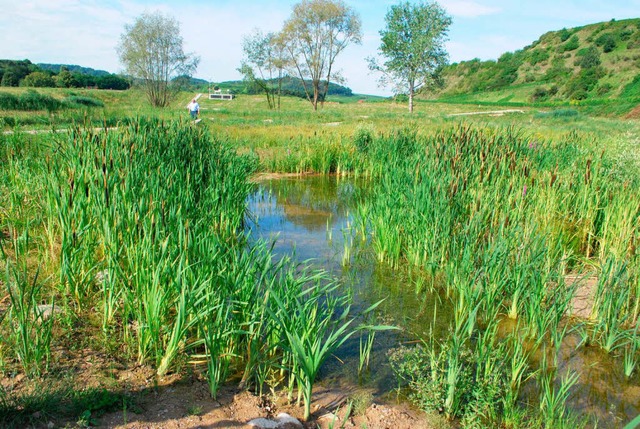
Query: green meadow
[[122, 234]]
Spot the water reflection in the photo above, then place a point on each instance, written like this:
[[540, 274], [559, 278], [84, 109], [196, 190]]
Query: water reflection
[[310, 219]]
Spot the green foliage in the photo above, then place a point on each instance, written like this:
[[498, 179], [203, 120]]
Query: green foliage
[[412, 46], [564, 34], [632, 90], [363, 136], [538, 56], [559, 113], [9, 101], [47, 404], [313, 36], [606, 41], [32, 100], [12, 72], [38, 79], [84, 101], [571, 45], [580, 85], [112, 81], [151, 50], [588, 58], [593, 46], [543, 94]]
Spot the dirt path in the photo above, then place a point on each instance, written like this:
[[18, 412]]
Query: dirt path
[[489, 112], [188, 405]]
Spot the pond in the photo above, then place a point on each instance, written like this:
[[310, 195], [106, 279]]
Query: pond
[[311, 219]]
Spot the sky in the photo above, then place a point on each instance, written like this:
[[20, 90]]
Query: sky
[[87, 32]]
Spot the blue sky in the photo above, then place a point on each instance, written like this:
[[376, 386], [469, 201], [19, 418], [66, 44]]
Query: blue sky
[[86, 32]]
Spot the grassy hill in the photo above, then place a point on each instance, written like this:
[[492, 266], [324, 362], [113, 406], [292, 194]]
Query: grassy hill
[[590, 63]]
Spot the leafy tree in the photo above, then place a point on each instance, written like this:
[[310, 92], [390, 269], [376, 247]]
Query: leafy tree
[[9, 78], [151, 51], [38, 79], [65, 78], [16, 70], [413, 46], [264, 64], [315, 34], [112, 81]]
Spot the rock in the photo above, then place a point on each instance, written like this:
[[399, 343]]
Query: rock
[[263, 423], [283, 421], [288, 422], [47, 310]]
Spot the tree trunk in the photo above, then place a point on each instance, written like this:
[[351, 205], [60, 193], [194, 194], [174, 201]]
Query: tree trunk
[[411, 97]]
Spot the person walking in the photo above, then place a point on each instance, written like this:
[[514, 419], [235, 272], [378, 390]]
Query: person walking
[[194, 109]]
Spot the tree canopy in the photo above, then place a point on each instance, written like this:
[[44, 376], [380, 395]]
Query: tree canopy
[[264, 64], [315, 34], [151, 50], [412, 46]]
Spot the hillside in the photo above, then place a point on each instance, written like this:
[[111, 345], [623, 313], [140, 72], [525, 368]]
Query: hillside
[[597, 61], [55, 68]]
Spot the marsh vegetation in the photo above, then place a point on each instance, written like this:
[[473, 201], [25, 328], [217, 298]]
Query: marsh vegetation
[[134, 242]]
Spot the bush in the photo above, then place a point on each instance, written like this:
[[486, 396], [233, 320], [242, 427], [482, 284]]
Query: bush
[[572, 44], [588, 58], [564, 35], [540, 94], [538, 56], [607, 41], [38, 80]]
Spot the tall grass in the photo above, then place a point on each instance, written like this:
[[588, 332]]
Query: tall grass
[[502, 217], [146, 225]]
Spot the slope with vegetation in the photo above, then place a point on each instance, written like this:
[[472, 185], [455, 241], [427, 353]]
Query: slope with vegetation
[[594, 62]]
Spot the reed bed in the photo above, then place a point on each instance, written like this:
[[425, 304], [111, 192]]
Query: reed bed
[[498, 219], [145, 228]]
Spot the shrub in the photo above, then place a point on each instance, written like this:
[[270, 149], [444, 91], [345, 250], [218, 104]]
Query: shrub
[[38, 80], [538, 56], [604, 89], [540, 94], [572, 44], [588, 58], [564, 35], [607, 41]]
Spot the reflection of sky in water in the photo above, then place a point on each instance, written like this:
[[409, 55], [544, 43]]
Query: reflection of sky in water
[[309, 219]]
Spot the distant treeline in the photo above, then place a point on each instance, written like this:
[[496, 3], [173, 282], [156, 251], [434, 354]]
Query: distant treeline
[[25, 73], [291, 86]]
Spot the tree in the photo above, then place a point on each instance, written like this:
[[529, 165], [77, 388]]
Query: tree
[[315, 34], [151, 52], [65, 78], [38, 80], [413, 47], [264, 64]]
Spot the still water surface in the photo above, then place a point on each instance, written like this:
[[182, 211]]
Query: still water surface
[[310, 219]]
